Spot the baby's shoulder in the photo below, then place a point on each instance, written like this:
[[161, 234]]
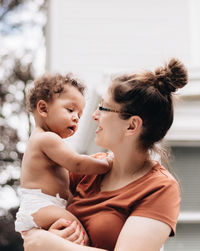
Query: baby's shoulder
[[40, 137], [42, 141]]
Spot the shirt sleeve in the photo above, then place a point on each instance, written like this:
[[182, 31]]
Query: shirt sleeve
[[162, 204], [74, 180]]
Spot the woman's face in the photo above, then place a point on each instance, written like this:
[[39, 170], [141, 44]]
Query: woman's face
[[111, 128]]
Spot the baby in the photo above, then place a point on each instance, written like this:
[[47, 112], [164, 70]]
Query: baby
[[57, 103]]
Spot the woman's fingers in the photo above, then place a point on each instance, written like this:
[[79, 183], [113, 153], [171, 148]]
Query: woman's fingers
[[72, 232], [79, 235], [83, 239], [60, 224], [76, 235]]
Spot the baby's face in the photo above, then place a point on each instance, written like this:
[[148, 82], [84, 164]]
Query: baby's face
[[65, 111]]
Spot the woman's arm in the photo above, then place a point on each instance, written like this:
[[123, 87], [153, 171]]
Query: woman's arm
[[141, 233], [42, 240], [138, 234]]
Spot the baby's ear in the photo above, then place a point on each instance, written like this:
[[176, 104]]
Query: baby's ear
[[42, 108]]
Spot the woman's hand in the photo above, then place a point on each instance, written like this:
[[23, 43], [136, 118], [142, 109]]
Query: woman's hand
[[68, 230], [41, 240]]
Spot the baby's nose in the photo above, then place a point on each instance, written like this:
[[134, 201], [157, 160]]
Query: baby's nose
[[75, 118]]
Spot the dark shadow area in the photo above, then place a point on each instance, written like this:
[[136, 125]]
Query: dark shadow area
[[9, 239]]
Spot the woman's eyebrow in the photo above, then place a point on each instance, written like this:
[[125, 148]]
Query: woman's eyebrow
[[103, 101]]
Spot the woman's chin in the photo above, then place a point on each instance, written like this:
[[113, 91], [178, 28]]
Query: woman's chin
[[96, 140], [99, 142]]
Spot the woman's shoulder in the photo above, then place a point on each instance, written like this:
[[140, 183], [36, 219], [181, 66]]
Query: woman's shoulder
[[82, 181], [160, 173], [159, 181]]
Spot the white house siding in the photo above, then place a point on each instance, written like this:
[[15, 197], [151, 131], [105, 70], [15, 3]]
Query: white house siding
[[95, 39], [97, 36]]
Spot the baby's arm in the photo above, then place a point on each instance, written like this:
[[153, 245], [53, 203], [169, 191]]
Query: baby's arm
[[55, 149]]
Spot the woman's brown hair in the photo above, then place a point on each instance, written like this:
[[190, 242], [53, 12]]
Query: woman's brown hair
[[149, 96]]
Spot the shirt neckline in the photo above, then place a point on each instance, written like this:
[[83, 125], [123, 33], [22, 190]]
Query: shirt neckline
[[156, 166]]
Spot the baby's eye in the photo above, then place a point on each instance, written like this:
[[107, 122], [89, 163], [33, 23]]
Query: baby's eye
[[70, 110]]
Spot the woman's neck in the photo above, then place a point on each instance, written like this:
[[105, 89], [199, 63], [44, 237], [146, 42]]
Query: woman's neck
[[127, 167], [131, 162]]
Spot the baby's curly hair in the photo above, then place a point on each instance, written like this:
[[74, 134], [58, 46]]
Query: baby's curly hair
[[48, 85]]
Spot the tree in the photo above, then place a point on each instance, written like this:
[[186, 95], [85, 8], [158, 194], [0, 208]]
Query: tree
[[18, 67]]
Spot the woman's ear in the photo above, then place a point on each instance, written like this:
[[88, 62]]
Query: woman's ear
[[42, 108], [134, 126]]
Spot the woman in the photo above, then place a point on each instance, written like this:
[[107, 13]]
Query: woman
[[134, 206]]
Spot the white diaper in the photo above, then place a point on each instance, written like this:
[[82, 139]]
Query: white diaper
[[31, 200]]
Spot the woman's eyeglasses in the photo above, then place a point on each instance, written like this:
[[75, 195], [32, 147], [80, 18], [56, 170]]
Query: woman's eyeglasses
[[101, 108], [105, 109]]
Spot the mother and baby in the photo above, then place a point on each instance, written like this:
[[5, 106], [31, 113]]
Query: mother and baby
[[120, 201]]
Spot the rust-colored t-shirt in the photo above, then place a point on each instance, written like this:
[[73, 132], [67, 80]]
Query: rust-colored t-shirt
[[155, 195]]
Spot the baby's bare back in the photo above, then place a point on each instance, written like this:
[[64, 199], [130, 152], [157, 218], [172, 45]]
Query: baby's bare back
[[38, 171]]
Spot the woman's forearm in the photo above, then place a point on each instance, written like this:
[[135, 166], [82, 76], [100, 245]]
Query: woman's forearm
[[41, 240], [70, 246]]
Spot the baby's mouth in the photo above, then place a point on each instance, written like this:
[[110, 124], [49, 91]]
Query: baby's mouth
[[72, 129]]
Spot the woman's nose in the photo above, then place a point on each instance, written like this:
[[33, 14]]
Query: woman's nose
[[95, 114]]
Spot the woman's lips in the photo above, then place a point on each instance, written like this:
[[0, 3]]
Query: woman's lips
[[99, 129]]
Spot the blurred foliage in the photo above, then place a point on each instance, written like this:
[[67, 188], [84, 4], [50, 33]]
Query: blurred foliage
[[17, 72], [9, 239]]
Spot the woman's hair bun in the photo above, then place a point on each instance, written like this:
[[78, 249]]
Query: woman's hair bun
[[171, 77]]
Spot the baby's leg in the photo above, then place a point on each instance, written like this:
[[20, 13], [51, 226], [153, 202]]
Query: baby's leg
[[46, 216]]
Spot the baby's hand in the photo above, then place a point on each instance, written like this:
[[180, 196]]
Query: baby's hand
[[99, 155], [102, 155], [109, 158]]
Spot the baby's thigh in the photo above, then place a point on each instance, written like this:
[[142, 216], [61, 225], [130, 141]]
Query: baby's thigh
[[46, 216]]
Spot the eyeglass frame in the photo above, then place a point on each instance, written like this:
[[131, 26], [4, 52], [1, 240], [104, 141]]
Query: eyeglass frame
[[105, 109]]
